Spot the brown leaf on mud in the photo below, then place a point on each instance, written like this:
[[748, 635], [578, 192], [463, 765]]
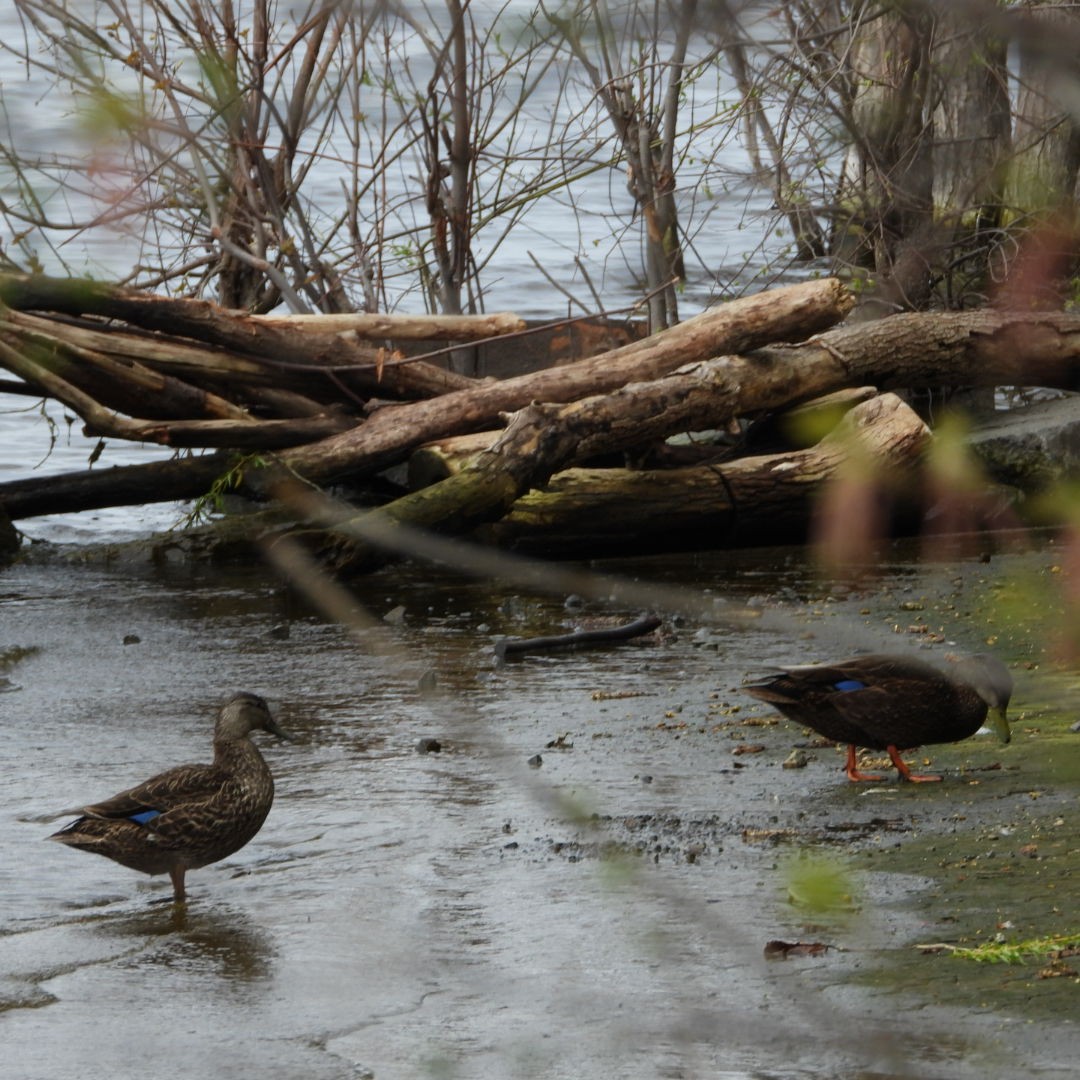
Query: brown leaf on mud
[[748, 748], [560, 742], [781, 950], [1057, 970]]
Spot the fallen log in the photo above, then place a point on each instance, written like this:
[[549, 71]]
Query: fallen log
[[801, 426], [435, 461], [620, 510], [988, 347], [752, 500], [392, 432], [466, 328], [194, 364], [361, 369], [121, 485], [37, 353], [239, 431], [254, 435], [978, 347]]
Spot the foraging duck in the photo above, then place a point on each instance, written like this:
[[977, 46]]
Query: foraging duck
[[893, 703], [192, 815]]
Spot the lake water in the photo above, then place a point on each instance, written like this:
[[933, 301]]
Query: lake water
[[728, 224]]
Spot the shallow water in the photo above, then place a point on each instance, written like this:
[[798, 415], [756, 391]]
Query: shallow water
[[451, 914]]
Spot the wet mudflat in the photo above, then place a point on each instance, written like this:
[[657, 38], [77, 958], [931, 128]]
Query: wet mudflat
[[602, 912]]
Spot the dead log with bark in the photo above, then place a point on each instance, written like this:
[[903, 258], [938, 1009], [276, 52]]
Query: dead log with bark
[[580, 511], [985, 348], [188, 373], [978, 348], [766, 498], [283, 400], [388, 433]]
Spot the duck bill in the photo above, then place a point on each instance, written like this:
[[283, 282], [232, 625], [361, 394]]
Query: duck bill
[[276, 729], [998, 723]]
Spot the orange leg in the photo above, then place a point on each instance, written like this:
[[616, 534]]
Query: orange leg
[[905, 772], [852, 769]]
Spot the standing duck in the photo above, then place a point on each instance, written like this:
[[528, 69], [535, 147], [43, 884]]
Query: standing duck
[[192, 815], [893, 703]]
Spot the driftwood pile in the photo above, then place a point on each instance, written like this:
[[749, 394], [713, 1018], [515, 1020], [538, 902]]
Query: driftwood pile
[[571, 459]]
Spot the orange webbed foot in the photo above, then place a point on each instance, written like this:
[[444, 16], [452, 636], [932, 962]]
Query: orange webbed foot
[[906, 773], [852, 770]]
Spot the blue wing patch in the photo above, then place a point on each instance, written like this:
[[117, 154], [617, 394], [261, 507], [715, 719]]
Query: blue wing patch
[[145, 817], [849, 684]]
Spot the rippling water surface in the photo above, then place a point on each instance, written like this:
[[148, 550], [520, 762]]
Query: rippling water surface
[[460, 913]]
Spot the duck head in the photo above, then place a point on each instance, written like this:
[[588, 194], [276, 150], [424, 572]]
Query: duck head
[[990, 679]]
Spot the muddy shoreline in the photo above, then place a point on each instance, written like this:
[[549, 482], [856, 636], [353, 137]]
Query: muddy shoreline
[[583, 879]]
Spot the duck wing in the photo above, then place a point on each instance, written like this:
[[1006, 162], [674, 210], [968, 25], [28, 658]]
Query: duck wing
[[183, 785], [874, 700], [885, 719]]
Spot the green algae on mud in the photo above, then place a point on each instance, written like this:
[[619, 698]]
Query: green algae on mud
[[1001, 866]]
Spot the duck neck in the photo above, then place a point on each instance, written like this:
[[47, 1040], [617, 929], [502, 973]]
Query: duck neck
[[228, 753]]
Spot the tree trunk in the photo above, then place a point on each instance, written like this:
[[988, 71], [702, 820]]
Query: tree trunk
[[885, 185], [1042, 174], [970, 114]]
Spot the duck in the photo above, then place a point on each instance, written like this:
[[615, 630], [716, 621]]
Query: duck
[[893, 703], [189, 816]]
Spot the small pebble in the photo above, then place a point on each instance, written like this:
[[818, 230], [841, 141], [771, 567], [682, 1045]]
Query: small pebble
[[132, 639], [428, 746], [795, 760], [535, 761]]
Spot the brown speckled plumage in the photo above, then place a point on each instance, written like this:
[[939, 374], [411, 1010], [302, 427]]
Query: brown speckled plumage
[[892, 703], [192, 815]]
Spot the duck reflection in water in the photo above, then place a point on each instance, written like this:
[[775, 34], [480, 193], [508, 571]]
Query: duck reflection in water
[[217, 942]]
